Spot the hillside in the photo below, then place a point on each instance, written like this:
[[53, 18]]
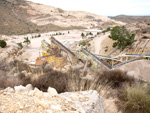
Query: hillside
[[21, 17], [131, 19]]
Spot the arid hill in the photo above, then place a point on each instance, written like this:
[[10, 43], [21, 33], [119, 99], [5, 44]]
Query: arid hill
[[20, 17], [131, 19]]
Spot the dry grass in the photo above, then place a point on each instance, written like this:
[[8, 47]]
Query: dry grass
[[53, 79], [135, 99], [75, 82], [118, 78], [19, 66]]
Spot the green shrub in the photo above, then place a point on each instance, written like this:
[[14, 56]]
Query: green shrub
[[89, 44], [122, 37], [39, 35], [83, 43], [108, 29], [83, 35], [27, 41], [90, 33], [20, 45], [135, 99], [3, 43]]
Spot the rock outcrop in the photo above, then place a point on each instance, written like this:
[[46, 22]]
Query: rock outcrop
[[25, 99], [138, 69]]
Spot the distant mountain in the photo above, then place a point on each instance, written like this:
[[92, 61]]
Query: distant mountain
[[20, 17], [130, 19]]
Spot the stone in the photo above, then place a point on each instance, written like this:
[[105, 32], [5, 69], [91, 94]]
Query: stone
[[9, 90], [56, 107], [20, 89], [89, 101], [52, 91], [29, 87], [49, 111], [36, 92]]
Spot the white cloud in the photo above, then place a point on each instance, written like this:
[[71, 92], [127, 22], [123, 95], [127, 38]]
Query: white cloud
[[103, 7]]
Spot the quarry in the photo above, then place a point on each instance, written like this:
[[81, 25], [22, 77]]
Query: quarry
[[57, 61]]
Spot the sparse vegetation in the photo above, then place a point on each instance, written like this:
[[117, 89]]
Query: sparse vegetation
[[53, 79], [20, 45], [83, 43], [83, 35], [132, 98], [3, 43], [90, 33], [135, 99], [122, 37], [27, 41], [117, 77], [39, 35], [108, 29]]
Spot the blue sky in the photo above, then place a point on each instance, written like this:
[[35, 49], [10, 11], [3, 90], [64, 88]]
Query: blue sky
[[102, 7]]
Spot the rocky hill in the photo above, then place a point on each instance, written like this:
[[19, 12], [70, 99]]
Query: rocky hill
[[20, 17], [131, 19]]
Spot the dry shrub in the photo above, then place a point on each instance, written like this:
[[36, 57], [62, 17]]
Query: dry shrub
[[3, 65], [19, 66], [6, 81], [135, 99], [117, 77], [53, 79], [2, 81], [75, 82], [12, 81]]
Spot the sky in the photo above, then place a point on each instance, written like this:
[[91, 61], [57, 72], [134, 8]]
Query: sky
[[102, 7]]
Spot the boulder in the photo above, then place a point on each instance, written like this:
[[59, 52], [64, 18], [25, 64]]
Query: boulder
[[89, 101], [138, 69], [36, 92], [9, 90], [37, 101], [29, 87], [20, 89], [52, 91]]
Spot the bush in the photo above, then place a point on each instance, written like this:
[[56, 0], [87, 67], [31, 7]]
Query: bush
[[53, 79], [83, 35], [20, 45], [88, 44], [122, 37], [27, 41], [3, 43], [135, 99], [39, 35], [75, 82], [117, 77]]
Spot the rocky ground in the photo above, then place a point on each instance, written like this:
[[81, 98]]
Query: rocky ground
[[26, 99]]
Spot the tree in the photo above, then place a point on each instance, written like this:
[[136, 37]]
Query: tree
[[83, 35], [39, 35], [27, 41], [90, 33], [123, 38], [3, 43]]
